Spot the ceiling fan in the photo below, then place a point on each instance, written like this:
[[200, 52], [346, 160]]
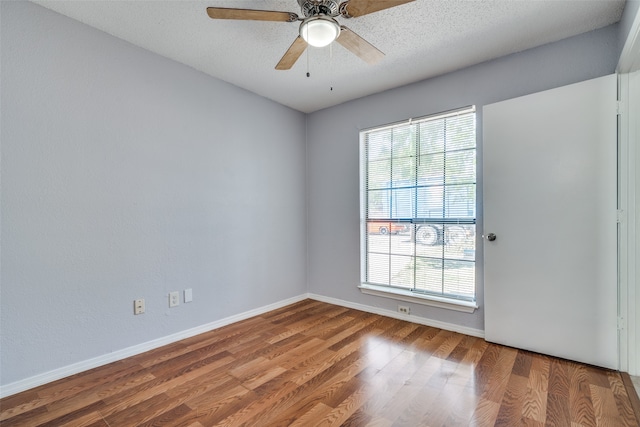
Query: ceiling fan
[[319, 27]]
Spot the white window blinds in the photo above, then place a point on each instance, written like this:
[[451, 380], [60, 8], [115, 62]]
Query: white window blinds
[[419, 205]]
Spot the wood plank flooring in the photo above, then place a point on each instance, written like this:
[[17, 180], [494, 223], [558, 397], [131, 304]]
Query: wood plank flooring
[[316, 364]]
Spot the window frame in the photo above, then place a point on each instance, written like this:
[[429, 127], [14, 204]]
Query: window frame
[[388, 291]]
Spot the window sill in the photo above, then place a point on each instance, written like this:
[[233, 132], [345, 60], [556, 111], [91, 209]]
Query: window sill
[[408, 296]]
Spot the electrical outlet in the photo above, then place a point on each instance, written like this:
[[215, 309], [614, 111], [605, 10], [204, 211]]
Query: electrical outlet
[[138, 306], [188, 295], [404, 309], [174, 298]]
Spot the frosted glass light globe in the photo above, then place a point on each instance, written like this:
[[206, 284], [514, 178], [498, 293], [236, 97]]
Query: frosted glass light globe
[[319, 31]]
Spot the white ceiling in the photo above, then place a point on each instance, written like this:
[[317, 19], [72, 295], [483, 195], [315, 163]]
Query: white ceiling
[[422, 39]]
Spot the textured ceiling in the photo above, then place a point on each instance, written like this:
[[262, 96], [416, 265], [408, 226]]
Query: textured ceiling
[[422, 39]]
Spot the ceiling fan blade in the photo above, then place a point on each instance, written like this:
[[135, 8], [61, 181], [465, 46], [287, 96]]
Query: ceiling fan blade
[[293, 53], [359, 46], [254, 15], [356, 8]]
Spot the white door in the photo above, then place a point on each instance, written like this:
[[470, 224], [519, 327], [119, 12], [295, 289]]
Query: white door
[[549, 171]]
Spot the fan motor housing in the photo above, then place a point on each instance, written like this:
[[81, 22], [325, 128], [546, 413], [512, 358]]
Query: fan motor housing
[[319, 7]]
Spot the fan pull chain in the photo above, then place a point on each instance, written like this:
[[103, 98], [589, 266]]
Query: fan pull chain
[[331, 66], [308, 73]]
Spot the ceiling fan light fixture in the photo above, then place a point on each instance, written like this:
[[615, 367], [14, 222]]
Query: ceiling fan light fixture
[[319, 31]]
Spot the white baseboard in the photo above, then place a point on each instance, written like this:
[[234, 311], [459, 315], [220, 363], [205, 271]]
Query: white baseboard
[[409, 318], [75, 368], [65, 371]]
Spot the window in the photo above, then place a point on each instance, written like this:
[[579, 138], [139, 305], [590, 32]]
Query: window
[[419, 209]]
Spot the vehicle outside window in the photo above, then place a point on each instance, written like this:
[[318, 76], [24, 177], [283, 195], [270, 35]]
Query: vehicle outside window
[[386, 228]]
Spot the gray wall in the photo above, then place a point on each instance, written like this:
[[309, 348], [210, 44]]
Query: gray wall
[[126, 175], [333, 153]]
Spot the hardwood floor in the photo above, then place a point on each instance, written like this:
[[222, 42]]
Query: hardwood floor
[[313, 363]]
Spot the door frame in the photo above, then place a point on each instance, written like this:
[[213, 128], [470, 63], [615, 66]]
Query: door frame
[[629, 201]]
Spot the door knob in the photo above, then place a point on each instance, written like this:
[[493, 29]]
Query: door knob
[[491, 237]]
